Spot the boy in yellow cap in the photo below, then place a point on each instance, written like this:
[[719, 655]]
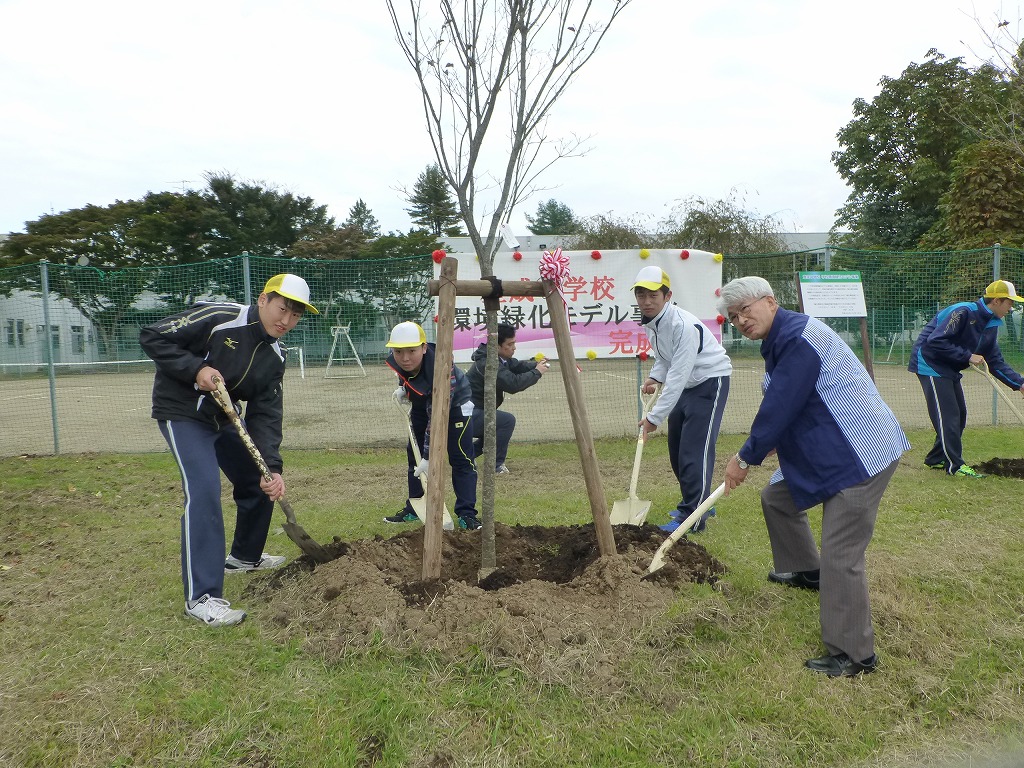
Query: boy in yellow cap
[[963, 334], [694, 371], [412, 360], [239, 345]]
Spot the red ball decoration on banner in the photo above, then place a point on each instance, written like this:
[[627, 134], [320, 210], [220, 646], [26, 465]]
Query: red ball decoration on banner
[[438, 255], [517, 256], [720, 319], [595, 255], [435, 318], [718, 291], [684, 255], [642, 356]]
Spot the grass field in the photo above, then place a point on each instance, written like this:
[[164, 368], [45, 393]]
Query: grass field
[[98, 666]]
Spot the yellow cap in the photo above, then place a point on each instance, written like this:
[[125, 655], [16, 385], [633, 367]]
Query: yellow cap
[[1002, 289], [291, 287], [651, 278], [406, 335]]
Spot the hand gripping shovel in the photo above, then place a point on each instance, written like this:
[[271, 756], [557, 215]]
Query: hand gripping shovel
[[419, 505], [659, 557], [633, 511], [983, 370], [295, 531]]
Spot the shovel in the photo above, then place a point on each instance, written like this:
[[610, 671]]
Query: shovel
[[419, 505], [633, 511], [659, 557], [295, 531], [983, 370]]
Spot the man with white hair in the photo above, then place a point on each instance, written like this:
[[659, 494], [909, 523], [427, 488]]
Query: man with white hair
[[838, 445]]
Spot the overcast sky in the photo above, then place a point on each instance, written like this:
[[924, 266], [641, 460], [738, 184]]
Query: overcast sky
[[108, 100]]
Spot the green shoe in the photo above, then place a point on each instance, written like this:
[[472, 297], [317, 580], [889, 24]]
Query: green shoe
[[940, 465], [965, 471]]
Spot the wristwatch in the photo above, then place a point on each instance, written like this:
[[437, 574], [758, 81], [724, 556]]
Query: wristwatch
[[741, 463]]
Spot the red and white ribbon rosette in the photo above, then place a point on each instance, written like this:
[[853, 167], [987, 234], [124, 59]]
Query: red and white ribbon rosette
[[554, 267]]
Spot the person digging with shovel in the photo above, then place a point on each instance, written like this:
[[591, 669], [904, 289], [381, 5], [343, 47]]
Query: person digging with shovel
[[838, 445], [694, 371], [412, 360], [240, 346]]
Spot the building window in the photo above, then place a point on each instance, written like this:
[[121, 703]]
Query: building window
[[10, 333], [78, 339], [55, 336], [20, 333]]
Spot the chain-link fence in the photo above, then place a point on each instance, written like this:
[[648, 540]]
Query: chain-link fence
[[74, 379]]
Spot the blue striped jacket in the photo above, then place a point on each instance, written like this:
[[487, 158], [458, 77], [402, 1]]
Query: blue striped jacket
[[821, 413]]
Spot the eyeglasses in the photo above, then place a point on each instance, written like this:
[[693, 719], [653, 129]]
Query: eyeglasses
[[744, 311]]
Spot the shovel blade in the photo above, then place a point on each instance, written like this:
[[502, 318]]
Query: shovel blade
[[306, 543], [419, 506], [629, 512]]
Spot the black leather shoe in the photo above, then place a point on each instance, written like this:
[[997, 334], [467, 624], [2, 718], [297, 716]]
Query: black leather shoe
[[842, 665], [794, 579]]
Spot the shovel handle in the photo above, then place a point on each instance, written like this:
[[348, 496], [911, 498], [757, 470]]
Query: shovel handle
[[659, 557], [220, 394], [982, 368]]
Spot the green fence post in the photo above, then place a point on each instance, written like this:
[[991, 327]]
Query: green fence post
[[44, 269]]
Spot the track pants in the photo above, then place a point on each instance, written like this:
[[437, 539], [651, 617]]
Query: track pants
[[947, 410], [692, 433], [504, 426], [460, 457], [847, 524], [202, 451]]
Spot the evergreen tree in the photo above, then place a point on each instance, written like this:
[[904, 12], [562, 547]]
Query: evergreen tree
[[432, 206], [553, 218], [361, 217]]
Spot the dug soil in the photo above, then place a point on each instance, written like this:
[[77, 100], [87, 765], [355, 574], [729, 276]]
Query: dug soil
[[1003, 467], [552, 604]]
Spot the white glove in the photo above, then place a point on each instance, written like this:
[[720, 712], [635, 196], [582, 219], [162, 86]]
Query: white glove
[[467, 409], [400, 397], [421, 470]]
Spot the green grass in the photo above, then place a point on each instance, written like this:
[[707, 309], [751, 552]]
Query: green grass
[[99, 668]]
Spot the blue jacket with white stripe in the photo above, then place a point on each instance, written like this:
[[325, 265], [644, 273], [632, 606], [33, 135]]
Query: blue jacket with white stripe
[[821, 413], [944, 346]]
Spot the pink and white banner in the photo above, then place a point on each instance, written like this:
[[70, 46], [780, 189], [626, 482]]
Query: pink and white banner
[[603, 316]]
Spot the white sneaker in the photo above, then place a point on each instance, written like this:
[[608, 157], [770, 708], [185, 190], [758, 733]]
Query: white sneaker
[[502, 470], [214, 612], [234, 565]]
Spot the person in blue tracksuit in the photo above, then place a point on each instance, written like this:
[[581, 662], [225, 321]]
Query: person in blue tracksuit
[[412, 360], [694, 371], [838, 445], [240, 346], [963, 334]]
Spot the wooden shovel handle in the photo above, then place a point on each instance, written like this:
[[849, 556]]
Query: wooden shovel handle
[[220, 394]]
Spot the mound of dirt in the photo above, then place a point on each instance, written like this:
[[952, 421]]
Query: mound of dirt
[[552, 601], [1003, 467]]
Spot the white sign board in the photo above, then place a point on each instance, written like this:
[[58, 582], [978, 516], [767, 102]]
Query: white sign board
[[603, 315], [832, 294]]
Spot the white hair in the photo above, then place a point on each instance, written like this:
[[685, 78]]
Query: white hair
[[743, 290]]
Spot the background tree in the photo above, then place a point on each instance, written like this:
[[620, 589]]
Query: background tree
[[897, 153], [361, 217], [431, 204], [721, 226], [553, 218], [489, 77], [606, 232]]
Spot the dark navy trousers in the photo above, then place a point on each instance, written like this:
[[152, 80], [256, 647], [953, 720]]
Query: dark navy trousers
[[947, 410], [505, 424], [460, 457], [202, 451], [693, 428]]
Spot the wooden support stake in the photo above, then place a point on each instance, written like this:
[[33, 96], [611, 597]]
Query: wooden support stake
[[580, 420], [440, 409]]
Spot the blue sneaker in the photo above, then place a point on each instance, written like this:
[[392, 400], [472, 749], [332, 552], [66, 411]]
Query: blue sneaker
[[468, 523], [670, 526]]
